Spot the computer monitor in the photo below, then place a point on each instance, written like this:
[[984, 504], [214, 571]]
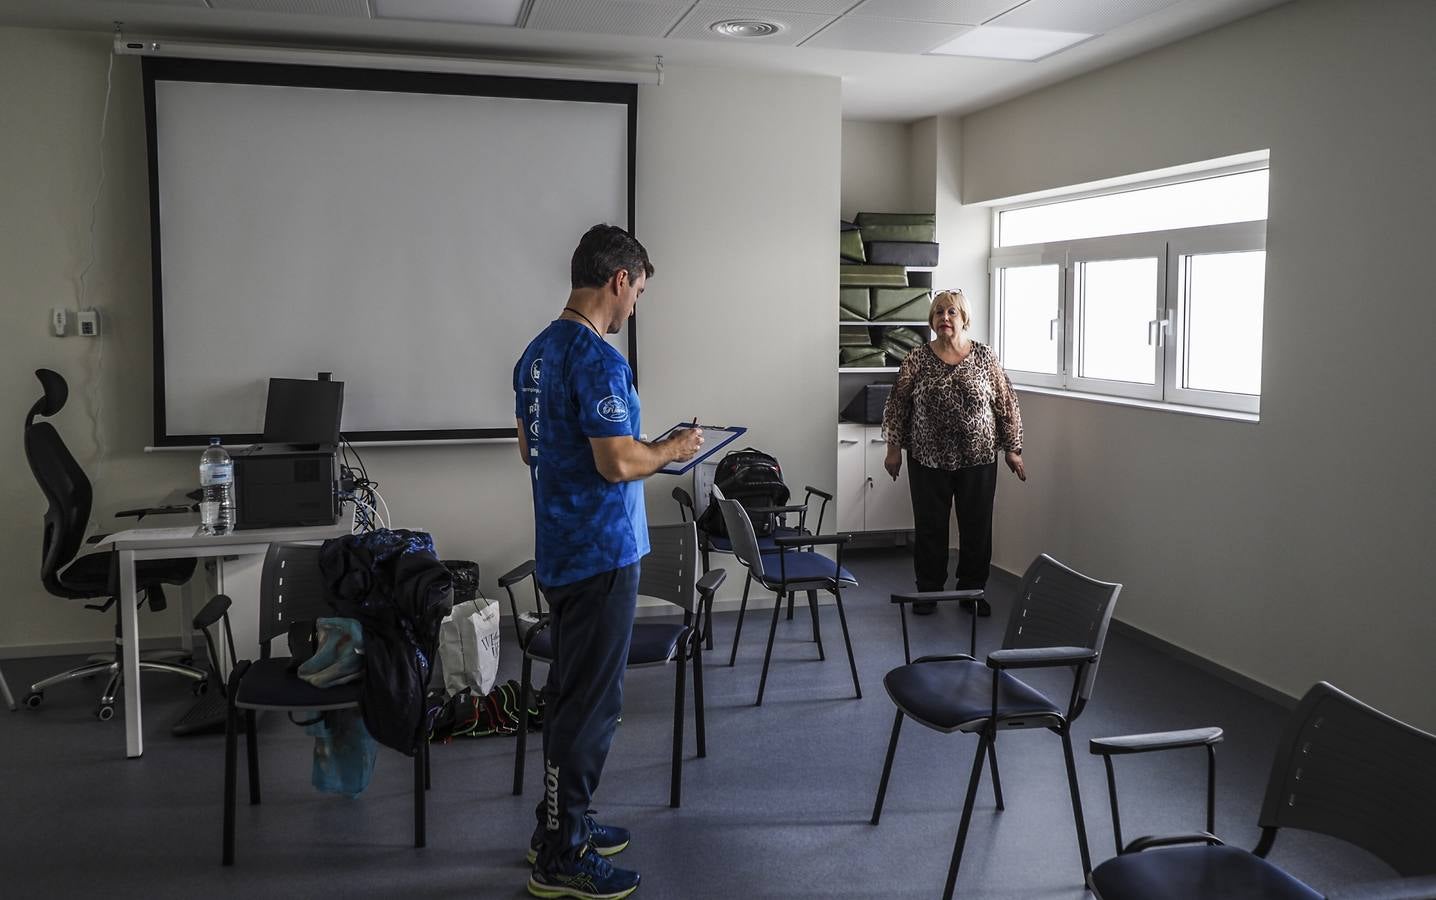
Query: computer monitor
[[303, 412]]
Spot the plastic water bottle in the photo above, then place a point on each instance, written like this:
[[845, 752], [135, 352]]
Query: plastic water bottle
[[216, 485]]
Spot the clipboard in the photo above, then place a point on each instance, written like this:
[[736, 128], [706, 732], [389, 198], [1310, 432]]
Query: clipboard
[[724, 434]]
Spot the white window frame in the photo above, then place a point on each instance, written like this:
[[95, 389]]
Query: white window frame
[[1169, 312]]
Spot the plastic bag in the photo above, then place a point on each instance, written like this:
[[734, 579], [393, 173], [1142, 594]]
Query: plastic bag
[[344, 753], [339, 656], [469, 647]]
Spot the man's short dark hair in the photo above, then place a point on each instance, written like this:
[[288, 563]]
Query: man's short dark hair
[[604, 250]]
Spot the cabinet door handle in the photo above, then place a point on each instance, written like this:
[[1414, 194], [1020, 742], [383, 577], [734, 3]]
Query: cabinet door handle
[[847, 440], [876, 441], [870, 481]]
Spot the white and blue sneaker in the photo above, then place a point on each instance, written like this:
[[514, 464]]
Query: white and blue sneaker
[[588, 876]]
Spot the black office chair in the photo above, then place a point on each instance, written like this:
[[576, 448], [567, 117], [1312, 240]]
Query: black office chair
[[785, 571], [93, 576], [713, 543], [667, 573], [1342, 769], [1060, 619], [291, 593]]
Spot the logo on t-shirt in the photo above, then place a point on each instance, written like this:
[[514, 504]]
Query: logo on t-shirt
[[534, 369], [613, 408], [533, 428]]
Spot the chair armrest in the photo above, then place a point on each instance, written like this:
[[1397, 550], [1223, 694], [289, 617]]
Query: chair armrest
[[804, 540], [780, 510], [710, 582], [95, 538], [1040, 657], [1418, 887], [1172, 840], [946, 657], [515, 575], [213, 611], [808, 488], [1123, 744], [938, 596]]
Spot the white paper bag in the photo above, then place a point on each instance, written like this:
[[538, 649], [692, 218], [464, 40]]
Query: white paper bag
[[469, 646]]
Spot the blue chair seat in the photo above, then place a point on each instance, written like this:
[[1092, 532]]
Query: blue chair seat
[[269, 683], [1191, 873], [765, 544], [651, 643], [953, 695], [801, 567]]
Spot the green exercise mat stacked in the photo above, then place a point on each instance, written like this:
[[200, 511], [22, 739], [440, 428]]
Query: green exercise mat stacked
[[861, 357], [850, 243], [853, 305], [900, 227], [872, 276], [897, 343], [908, 304]]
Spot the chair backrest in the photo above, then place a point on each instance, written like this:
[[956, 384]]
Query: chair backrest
[[1058, 606], [61, 480], [291, 590], [740, 533], [1350, 771], [686, 512], [670, 569]]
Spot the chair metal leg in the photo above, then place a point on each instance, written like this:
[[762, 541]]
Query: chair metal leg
[[675, 772], [5, 689], [742, 608], [420, 780], [817, 629], [251, 751], [996, 779], [522, 744], [699, 717], [887, 767], [852, 663], [790, 606], [96, 668], [1076, 804], [428, 766], [966, 816], [768, 654], [231, 749], [708, 617]]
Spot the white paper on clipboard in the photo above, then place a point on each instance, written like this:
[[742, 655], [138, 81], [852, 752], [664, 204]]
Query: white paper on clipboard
[[715, 438]]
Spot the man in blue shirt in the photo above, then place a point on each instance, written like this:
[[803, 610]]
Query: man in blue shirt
[[579, 434]]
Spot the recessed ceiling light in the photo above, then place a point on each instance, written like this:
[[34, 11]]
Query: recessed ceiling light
[[997, 42], [745, 28]]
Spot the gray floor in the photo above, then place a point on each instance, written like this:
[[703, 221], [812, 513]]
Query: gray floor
[[779, 808]]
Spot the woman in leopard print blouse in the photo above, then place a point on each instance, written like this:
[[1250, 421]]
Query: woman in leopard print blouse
[[953, 409]]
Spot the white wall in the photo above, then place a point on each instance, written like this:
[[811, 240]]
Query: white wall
[[876, 168], [737, 195], [1298, 548]]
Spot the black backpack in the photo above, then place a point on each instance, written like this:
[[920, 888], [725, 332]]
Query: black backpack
[[755, 480]]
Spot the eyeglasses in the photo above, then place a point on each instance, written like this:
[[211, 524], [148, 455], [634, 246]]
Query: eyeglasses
[[949, 312]]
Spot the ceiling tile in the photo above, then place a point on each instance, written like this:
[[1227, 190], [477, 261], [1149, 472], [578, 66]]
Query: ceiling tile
[[956, 12], [1090, 16], [796, 27], [634, 18], [884, 35], [355, 8], [469, 12], [831, 7]]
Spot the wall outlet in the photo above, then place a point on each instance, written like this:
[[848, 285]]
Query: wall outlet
[[59, 320], [88, 322]]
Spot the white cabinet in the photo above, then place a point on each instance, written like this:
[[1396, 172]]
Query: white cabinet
[[868, 498]]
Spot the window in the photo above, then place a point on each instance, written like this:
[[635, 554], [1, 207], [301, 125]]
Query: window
[[1151, 293]]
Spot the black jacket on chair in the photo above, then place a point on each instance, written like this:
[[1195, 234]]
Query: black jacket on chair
[[394, 584]]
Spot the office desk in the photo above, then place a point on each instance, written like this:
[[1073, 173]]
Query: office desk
[[184, 542]]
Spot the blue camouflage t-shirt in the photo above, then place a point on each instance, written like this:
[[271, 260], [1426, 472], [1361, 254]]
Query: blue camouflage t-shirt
[[571, 385]]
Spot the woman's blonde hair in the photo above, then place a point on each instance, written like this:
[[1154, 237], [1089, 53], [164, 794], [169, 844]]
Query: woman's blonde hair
[[957, 300]]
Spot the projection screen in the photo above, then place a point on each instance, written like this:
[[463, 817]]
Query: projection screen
[[408, 232]]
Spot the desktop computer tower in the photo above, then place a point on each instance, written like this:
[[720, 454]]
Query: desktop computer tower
[[281, 486]]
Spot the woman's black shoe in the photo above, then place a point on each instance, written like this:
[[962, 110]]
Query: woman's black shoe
[[924, 607]]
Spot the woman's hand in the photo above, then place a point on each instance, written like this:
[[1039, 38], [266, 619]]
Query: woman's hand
[[893, 461], [1014, 462]]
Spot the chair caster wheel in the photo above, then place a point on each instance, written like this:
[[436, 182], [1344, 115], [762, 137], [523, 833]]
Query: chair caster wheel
[[34, 699], [200, 688], [105, 712]]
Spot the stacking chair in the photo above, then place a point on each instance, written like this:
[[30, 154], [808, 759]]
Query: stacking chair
[[72, 575], [712, 543], [785, 571], [668, 573], [1060, 619], [291, 594], [1342, 769]]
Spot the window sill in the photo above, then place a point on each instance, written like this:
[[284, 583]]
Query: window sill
[[1205, 411]]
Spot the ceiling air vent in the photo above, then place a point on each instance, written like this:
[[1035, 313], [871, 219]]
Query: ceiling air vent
[[745, 28]]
